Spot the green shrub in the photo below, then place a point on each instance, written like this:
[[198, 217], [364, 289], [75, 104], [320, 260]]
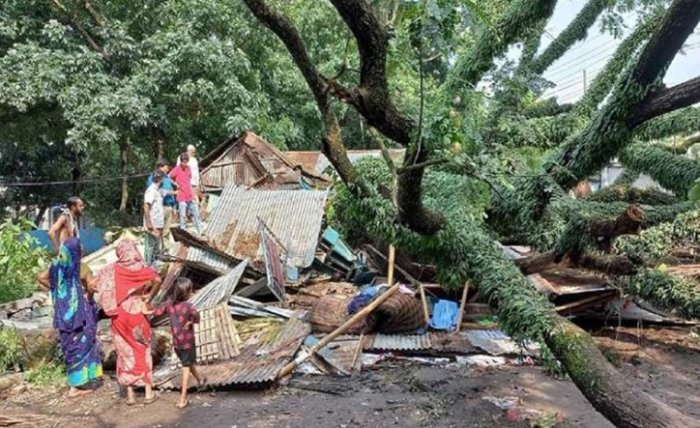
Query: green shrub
[[20, 261], [46, 374], [10, 348]]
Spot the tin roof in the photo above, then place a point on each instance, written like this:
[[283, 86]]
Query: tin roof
[[264, 351], [456, 343], [219, 290], [294, 217], [318, 162]]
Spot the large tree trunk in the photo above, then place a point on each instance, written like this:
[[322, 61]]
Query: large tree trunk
[[158, 135], [611, 393]]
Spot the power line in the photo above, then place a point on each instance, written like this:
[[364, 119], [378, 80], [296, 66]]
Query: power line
[[585, 62], [58, 183]]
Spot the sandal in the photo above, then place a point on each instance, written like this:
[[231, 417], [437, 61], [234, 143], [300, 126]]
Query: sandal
[[151, 400], [183, 405]]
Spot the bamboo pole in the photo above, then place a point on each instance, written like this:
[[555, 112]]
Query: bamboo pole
[[462, 305], [390, 268], [358, 351], [304, 355]]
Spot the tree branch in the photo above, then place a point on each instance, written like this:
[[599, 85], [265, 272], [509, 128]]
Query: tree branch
[[96, 16], [512, 25], [421, 165], [609, 131], [85, 35], [575, 31], [664, 101], [371, 99], [332, 143]]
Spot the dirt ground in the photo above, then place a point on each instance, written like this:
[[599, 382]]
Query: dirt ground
[[665, 362]]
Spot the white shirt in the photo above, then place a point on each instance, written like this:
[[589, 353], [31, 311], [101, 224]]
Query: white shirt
[[154, 198], [193, 163]]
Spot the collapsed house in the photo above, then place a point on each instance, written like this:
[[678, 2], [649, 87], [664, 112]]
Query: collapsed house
[[251, 161]]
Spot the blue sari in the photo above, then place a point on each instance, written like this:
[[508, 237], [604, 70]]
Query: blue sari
[[75, 317]]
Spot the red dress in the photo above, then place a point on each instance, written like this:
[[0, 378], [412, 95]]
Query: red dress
[[120, 289]]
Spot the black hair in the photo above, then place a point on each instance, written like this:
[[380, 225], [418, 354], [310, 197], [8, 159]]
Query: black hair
[[184, 157], [158, 176], [183, 289], [161, 163], [73, 202]]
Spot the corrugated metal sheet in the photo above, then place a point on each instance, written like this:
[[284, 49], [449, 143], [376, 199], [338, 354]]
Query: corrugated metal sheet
[[219, 290], [398, 342], [496, 342], [263, 354], [294, 217], [449, 343], [211, 260]]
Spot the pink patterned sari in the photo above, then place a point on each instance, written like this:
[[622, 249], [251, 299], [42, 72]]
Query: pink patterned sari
[[121, 286]]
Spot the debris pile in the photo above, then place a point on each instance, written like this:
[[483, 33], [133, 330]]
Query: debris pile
[[279, 290]]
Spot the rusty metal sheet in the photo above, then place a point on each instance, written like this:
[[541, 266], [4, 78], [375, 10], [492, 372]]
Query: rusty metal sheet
[[340, 353], [294, 217], [265, 349]]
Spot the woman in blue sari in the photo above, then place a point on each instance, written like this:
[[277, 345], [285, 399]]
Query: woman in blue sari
[[75, 317]]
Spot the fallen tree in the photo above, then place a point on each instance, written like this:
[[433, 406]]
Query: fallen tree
[[437, 231]]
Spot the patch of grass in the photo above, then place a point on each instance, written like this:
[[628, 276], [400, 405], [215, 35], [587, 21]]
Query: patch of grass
[[10, 348], [612, 356], [46, 375]]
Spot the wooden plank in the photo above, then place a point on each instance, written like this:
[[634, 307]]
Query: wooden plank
[[424, 301], [461, 306]]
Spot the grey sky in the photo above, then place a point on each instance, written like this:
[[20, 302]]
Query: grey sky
[[592, 54]]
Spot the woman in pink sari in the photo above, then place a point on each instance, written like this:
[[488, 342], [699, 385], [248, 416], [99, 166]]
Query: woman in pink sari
[[124, 290]]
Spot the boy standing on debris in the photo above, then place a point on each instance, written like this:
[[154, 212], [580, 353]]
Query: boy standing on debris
[[153, 218], [183, 315], [168, 191], [182, 175]]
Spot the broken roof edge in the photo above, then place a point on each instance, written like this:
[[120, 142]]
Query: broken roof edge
[[249, 138]]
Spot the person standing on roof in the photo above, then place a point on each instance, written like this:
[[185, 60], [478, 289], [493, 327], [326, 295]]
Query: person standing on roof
[[153, 218], [182, 175], [67, 224], [167, 188], [193, 163]]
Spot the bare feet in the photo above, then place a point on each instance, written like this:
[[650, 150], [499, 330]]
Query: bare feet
[[183, 404], [75, 392], [201, 384]]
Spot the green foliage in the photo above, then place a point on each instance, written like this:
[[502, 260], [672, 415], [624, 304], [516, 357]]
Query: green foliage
[[601, 86], [666, 291], [626, 193], [575, 31], [673, 172], [626, 178], [46, 374], [19, 262], [461, 250], [494, 40], [10, 348], [656, 242], [680, 122]]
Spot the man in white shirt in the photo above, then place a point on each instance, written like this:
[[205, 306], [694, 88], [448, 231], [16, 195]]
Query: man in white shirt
[[153, 218]]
